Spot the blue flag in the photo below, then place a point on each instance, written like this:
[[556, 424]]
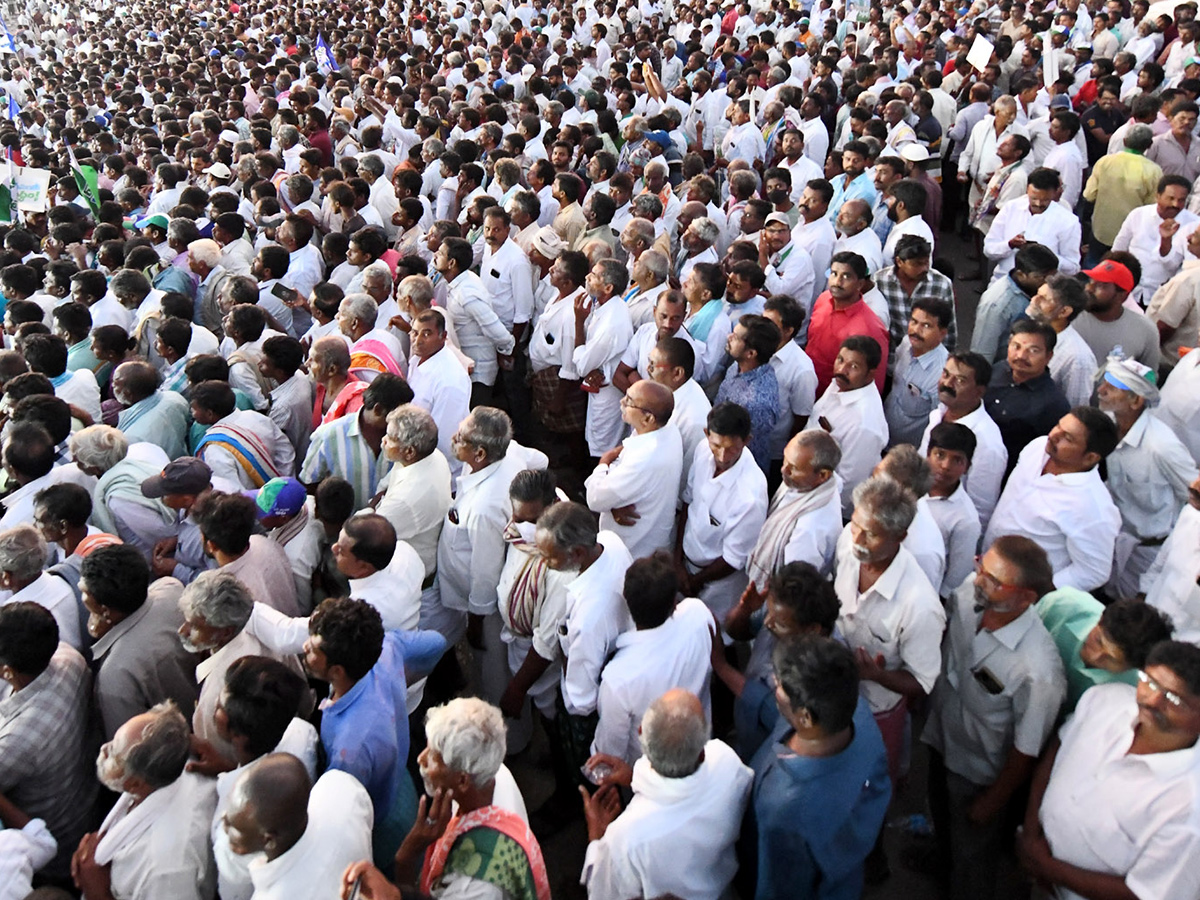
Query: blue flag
[[12, 44], [14, 108], [325, 61]]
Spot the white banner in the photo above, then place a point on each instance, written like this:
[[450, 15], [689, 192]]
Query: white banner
[[30, 188]]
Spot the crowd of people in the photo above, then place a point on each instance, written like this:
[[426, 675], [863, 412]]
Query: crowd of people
[[724, 411]]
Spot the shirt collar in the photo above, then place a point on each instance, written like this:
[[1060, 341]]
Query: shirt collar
[[1012, 633]]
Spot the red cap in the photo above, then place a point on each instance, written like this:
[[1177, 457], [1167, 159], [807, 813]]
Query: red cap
[[1112, 273]]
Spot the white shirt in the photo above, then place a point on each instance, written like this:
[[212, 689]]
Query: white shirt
[[1072, 518], [677, 835], [1106, 810], [340, 818], [81, 390], [416, 501], [394, 590], [1066, 159], [912, 225], [1148, 478], [1139, 235], [508, 278], [797, 380], [818, 238], [986, 474], [225, 465], [1073, 367], [958, 521], [859, 427], [791, 272], [645, 474], [608, 332], [637, 354], [725, 512], [24, 851], [553, 340], [1170, 582], [866, 244], [900, 617], [159, 848], [648, 663], [803, 171], [596, 615], [924, 541], [442, 387], [1179, 403], [55, 596], [1056, 228]]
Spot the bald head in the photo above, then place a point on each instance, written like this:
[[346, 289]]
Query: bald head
[[674, 732], [331, 352], [689, 212], [654, 399], [853, 217], [268, 806]]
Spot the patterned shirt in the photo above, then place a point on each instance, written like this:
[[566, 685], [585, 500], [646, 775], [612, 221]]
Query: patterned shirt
[[758, 392], [339, 448], [934, 285]]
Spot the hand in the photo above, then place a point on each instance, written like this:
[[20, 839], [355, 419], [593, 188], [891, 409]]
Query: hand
[[512, 704], [92, 879], [620, 772], [1167, 228], [504, 361], [583, 306], [595, 379], [752, 600], [209, 760], [400, 323], [432, 819], [372, 884], [1017, 242], [475, 632], [964, 177], [162, 559], [626, 515], [1033, 852], [870, 668], [601, 810], [609, 456]]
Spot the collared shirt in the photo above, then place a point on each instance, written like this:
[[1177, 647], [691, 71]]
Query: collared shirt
[[80, 388], [1148, 477], [339, 448], [958, 521], [1001, 304], [45, 769], [858, 424], [55, 596], [1139, 235], [816, 237], [830, 326], [924, 541], [912, 225], [1073, 367], [983, 480], [1130, 815], [1056, 228], [508, 278], [866, 244], [914, 393], [1177, 305], [1070, 615], [1127, 180], [225, 465], [677, 835], [1173, 158], [596, 614], [648, 663], [797, 381], [140, 661], [725, 512], [899, 617], [161, 418], [394, 590], [646, 474], [1000, 690], [756, 391], [1170, 584], [932, 286], [1071, 517], [338, 833], [791, 271], [641, 303], [442, 387], [860, 188], [1023, 411], [553, 340], [481, 333], [637, 354], [266, 572], [417, 499], [291, 409]]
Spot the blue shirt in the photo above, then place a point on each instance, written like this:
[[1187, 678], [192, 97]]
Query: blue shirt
[[757, 391], [861, 188], [812, 821]]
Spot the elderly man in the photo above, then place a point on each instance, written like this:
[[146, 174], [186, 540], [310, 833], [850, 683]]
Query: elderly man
[[1058, 303], [302, 835], [373, 349], [1112, 797], [648, 281], [139, 660], [979, 160], [993, 710], [1166, 584], [440, 383], [339, 393], [697, 241], [633, 487], [23, 554], [1148, 472], [154, 843], [45, 770], [677, 835], [1055, 496], [826, 749], [855, 235], [204, 261], [157, 417], [891, 616]]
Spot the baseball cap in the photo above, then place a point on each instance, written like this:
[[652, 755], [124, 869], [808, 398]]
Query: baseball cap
[[218, 170], [279, 497], [659, 137], [1110, 272], [186, 475], [779, 217], [159, 220]]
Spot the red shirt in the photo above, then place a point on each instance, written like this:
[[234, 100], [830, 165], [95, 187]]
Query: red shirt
[[348, 401], [829, 327]]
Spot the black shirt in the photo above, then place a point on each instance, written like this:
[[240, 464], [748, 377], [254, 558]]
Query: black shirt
[[1023, 411]]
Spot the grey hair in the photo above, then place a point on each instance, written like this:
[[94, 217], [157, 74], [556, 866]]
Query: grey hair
[[218, 598], [658, 165], [411, 426], [99, 446], [570, 525], [747, 175], [825, 450], [508, 172], [372, 163], [469, 735], [418, 290], [906, 466], [1006, 100], [638, 124], [383, 275], [526, 200], [643, 230], [435, 146], [888, 502], [673, 738], [654, 261], [23, 552], [129, 282], [290, 133], [1139, 138], [648, 203], [206, 251], [162, 751], [491, 429], [706, 229], [362, 307]]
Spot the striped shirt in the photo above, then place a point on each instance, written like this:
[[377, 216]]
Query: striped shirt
[[339, 448]]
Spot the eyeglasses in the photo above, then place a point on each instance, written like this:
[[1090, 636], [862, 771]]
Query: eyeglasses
[[1171, 697], [626, 402], [990, 581]]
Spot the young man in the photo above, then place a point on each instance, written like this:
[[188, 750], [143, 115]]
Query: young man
[[951, 449]]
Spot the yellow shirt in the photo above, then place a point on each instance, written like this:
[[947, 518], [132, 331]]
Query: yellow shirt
[[1127, 180]]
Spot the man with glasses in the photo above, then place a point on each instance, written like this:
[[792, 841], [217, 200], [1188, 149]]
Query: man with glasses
[[1113, 804], [993, 710]]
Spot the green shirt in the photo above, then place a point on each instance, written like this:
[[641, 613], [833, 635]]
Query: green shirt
[[1070, 614]]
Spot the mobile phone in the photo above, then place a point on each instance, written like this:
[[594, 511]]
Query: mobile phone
[[284, 293], [356, 889]]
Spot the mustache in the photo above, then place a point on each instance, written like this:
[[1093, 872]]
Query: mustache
[[947, 390], [841, 379]]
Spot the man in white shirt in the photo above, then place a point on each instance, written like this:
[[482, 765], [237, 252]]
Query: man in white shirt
[[1058, 302], [155, 841], [857, 235], [1114, 798], [794, 373], [1156, 235], [1065, 157], [603, 329], [240, 445], [508, 276], [300, 836], [677, 835], [1034, 219], [724, 507], [788, 266], [905, 201], [23, 553], [852, 411], [670, 646], [1055, 496], [671, 364], [383, 571], [440, 383]]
